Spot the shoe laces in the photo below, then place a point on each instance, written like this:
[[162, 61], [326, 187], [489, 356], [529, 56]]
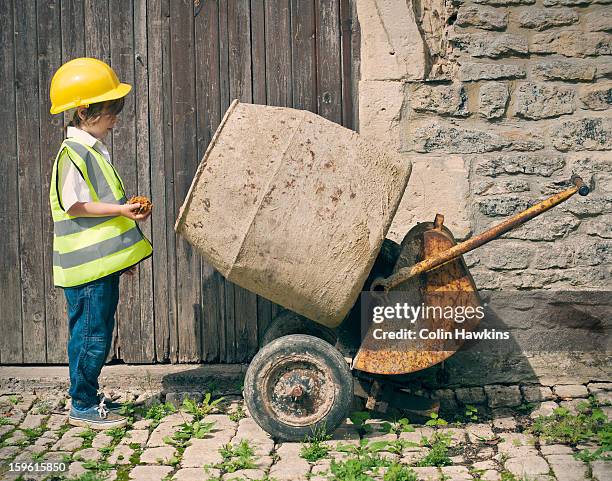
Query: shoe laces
[[101, 408]]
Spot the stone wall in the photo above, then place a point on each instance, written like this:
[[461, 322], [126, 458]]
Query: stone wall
[[497, 103]]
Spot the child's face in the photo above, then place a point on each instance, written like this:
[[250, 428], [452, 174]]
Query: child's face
[[100, 126]]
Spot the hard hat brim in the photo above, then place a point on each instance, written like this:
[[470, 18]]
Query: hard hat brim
[[120, 91]]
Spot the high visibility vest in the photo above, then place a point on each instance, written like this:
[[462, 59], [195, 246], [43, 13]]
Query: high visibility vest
[[88, 248]]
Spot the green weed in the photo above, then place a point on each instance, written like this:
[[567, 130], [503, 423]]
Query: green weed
[[159, 411], [238, 414], [471, 413], [199, 410], [435, 420], [237, 457], [400, 426], [359, 418], [438, 453], [197, 429], [314, 447], [87, 436], [398, 472], [589, 424]]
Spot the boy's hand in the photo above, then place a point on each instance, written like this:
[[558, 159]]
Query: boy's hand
[[130, 211]]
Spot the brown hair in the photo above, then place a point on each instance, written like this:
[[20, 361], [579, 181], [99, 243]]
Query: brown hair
[[94, 111]]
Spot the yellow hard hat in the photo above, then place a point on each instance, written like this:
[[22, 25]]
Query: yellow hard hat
[[84, 81]]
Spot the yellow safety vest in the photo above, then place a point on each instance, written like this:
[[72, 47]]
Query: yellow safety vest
[[88, 248]]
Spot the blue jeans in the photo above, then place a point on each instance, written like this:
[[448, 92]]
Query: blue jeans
[[91, 316]]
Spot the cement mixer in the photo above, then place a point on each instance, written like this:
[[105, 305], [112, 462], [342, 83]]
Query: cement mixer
[[296, 208]]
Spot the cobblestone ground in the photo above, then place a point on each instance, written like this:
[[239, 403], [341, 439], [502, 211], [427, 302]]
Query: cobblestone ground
[[489, 436]]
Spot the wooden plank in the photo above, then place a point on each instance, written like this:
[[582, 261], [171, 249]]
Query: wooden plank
[[11, 346], [346, 47], [188, 270], [208, 118], [169, 173], [227, 337], [157, 27], [355, 65], [239, 41], [303, 55], [278, 56], [30, 185], [329, 67], [143, 178], [124, 158], [51, 136], [73, 35], [258, 51]]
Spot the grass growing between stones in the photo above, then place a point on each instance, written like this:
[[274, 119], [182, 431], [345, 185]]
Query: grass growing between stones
[[237, 457], [590, 424], [159, 411], [313, 447], [438, 455]]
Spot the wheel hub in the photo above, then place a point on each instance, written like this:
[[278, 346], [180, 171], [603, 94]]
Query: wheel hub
[[300, 392]]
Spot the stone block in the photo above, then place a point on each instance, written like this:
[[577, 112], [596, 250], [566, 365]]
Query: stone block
[[531, 164], [202, 452], [32, 421], [380, 109], [527, 467], [492, 99], [601, 470], [472, 71], [516, 445], [392, 47], [569, 70], [572, 43], [596, 97], [572, 3], [500, 186], [448, 177], [567, 468], [549, 228], [427, 474], [479, 433], [544, 18], [537, 393], [582, 134], [483, 17], [294, 470], [439, 99], [446, 398], [536, 101], [431, 136], [121, 454], [471, 395], [599, 20], [195, 474], [516, 256], [545, 408], [571, 391], [491, 45], [159, 455], [555, 257], [150, 473], [498, 395], [498, 206], [548, 449]]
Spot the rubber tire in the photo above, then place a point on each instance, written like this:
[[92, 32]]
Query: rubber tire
[[288, 322], [286, 346]]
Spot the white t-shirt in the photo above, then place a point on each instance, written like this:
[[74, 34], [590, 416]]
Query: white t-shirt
[[73, 186]]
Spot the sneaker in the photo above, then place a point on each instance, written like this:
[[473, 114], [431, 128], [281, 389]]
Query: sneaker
[[112, 406], [96, 417]]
